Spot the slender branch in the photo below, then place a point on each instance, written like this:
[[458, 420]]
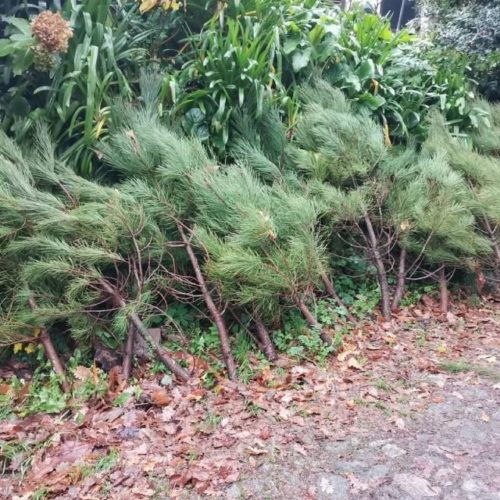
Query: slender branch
[[330, 288], [265, 339], [381, 271], [400, 286], [313, 322], [138, 325], [443, 289]]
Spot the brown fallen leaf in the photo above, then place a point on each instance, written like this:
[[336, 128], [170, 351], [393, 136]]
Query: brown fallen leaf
[[265, 433], [160, 397], [67, 453], [4, 389]]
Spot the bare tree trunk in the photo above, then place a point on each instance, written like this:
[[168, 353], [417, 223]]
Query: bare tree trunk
[[129, 353], [443, 290], [325, 337], [494, 242], [496, 251], [54, 358], [330, 288], [380, 267], [51, 353], [214, 311], [139, 327], [480, 280], [265, 339], [401, 283]]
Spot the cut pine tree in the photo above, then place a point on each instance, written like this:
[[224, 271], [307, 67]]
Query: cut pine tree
[[214, 311]]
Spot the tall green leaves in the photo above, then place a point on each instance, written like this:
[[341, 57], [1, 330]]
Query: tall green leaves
[[101, 65]]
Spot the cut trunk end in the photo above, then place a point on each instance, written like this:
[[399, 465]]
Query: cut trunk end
[[54, 359], [51, 353], [330, 288], [162, 354], [265, 339], [129, 353], [140, 328], [324, 335]]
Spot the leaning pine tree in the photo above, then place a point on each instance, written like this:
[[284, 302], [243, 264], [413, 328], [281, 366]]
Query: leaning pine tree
[[158, 166], [262, 245], [431, 204], [70, 271], [337, 153], [260, 145], [479, 165]]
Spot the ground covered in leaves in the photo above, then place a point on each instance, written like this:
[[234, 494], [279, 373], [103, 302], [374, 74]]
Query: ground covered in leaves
[[407, 409]]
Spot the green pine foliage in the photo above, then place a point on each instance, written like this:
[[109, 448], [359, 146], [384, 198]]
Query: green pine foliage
[[255, 237], [66, 235]]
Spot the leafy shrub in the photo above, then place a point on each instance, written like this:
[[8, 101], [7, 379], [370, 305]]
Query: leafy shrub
[[262, 52], [471, 28], [73, 92]]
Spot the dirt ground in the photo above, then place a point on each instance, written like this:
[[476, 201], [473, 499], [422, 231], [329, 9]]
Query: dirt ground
[[408, 409]]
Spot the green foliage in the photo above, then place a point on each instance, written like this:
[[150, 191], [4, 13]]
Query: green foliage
[[398, 78], [248, 55], [471, 29], [297, 340], [302, 104], [44, 394], [73, 97]]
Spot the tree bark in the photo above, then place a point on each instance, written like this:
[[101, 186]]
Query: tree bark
[[51, 353], [380, 267], [480, 280], [53, 357], [443, 290], [494, 242], [496, 251], [325, 337], [265, 339], [138, 325], [129, 353], [214, 311], [401, 283], [330, 288]]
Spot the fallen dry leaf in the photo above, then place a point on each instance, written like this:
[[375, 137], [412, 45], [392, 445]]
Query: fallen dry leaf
[[160, 397]]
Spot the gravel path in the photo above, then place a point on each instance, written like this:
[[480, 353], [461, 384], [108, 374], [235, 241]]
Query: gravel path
[[451, 451]]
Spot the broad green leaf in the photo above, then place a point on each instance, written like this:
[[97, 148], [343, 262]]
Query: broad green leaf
[[366, 70], [23, 25], [301, 58]]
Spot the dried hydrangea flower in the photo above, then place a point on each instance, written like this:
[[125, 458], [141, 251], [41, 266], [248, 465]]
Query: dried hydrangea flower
[[43, 59], [52, 31]]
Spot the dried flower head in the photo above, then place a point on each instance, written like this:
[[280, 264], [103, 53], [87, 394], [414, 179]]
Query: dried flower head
[[43, 59], [52, 31]]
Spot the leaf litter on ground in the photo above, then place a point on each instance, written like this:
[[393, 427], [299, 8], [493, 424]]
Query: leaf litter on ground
[[171, 439]]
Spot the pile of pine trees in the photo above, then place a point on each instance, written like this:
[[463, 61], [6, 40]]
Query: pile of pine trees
[[255, 237]]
